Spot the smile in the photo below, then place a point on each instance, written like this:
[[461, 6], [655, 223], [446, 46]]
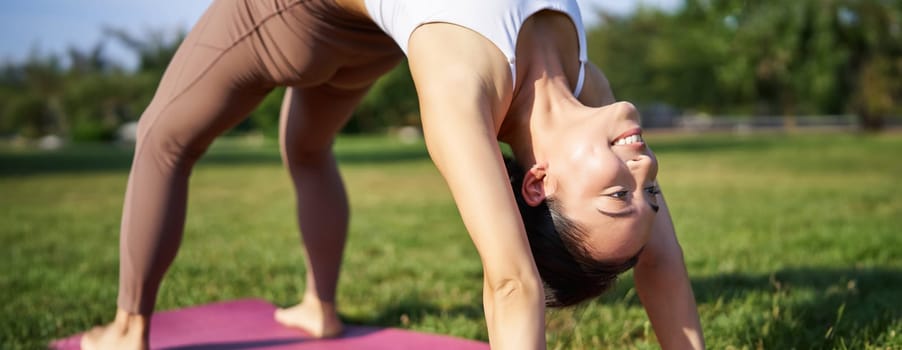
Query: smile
[[628, 140]]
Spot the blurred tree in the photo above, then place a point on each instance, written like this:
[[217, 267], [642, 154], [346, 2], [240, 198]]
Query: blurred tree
[[92, 61], [154, 51], [31, 96], [266, 117], [96, 94], [86, 98], [795, 57], [872, 30], [761, 57], [653, 56], [392, 101], [98, 104]]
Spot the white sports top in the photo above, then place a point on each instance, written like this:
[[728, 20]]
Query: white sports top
[[497, 20]]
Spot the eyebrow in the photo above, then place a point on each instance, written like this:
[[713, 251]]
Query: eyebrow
[[617, 214], [626, 212]]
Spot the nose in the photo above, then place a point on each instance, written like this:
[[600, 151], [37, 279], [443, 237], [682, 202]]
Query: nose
[[643, 167], [644, 170]]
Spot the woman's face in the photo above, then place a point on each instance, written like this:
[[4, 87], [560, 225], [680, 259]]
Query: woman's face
[[603, 176]]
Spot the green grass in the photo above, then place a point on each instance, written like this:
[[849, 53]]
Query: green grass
[[791, 242]]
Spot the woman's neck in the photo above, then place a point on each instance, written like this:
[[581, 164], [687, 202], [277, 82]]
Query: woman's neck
[[543, 100]]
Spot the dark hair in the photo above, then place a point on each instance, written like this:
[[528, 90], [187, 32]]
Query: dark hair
[[569, 272]]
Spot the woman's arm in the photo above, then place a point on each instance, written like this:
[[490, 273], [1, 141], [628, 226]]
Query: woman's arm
[[664, 289], [456, 74]]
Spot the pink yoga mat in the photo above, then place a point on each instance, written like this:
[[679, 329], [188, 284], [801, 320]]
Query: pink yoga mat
[[249, 324]]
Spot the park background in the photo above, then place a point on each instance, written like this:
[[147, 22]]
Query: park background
[[775, 123]]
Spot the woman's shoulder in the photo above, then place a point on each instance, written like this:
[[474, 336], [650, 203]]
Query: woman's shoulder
[[456, 61]]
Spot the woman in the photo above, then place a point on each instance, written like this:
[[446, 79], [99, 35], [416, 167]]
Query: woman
[[512, 70]]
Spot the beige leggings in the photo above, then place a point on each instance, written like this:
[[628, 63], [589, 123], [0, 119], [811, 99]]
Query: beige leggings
[[237, 52]]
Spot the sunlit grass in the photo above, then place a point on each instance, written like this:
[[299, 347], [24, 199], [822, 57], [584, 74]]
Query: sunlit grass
[[791, 242]]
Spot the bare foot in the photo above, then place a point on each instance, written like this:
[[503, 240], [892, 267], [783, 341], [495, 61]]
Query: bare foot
[[317, 318], [127, 331]]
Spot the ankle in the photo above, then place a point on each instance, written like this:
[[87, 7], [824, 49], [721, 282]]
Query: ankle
[[326, 310], [127, 322], [312, 299]]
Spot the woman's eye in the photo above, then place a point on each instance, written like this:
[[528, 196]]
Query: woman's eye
[[620, 194], [653, 197]]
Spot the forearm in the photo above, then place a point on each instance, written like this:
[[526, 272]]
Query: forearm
[[513, 294], [662, 283], [472, 165], [459, 127], [666, 293], [515, 315]]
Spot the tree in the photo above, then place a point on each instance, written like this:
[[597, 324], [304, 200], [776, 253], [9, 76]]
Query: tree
[[759, 57], [154, 51], [392, 101], [872, 29], [32, 92]]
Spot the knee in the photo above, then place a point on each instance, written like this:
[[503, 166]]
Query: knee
[[306, 149], [306, 157], [168, 150]]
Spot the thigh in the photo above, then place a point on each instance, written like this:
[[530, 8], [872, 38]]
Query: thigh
[[312, 116], [204, 92]]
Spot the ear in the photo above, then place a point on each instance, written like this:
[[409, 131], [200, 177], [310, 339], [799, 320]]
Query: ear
[[533, 189]]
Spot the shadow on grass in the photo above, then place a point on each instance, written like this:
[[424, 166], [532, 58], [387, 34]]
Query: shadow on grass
[[815, 307], [101, 158], [412, 309], [802, 308]]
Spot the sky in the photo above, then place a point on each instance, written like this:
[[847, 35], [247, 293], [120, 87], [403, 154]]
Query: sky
[[52, 26]]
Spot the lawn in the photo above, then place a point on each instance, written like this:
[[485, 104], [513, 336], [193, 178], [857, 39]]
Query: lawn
[[792, 241]]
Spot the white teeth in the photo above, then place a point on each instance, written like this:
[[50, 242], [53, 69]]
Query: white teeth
[[629, 140]]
